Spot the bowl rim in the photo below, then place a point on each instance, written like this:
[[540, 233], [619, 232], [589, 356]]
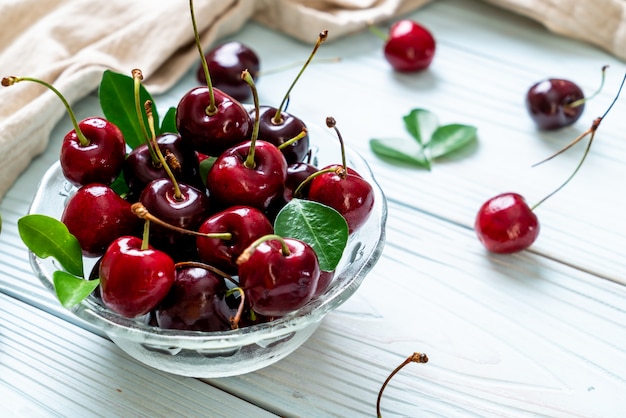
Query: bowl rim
[[116, 325]]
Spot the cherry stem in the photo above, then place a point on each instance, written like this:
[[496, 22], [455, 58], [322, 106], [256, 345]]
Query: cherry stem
[[82, 139], [332, 123], [145, 240], [591, 132], [247, 253], [211, 108], [379, 33], [295, 64], [137, 78], [247, 77], [413, 358], [298, 190], [234, 320], [278, 119], [584, 99], [178, 195], [296, 138], [142, 212]]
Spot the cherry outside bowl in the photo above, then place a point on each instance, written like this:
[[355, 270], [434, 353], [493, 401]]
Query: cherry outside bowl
[[235, 352]]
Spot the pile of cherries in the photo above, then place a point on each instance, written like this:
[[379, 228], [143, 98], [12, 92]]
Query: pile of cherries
[[199, 252]]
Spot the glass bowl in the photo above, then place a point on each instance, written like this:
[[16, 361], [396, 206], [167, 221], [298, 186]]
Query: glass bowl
[[234, 352]]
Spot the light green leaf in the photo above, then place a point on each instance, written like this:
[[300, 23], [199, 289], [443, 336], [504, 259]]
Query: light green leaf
[[72, 290], [421, 124], [48, 237], [395, 150], [320, 226], [449, 138]]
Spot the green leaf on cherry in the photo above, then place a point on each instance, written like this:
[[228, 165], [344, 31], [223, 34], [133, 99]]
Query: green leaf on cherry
[[117, 100], [48, 237], [431, 141], [169, 121], [71, 290], [320, 226]]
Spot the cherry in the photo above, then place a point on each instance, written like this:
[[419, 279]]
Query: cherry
[[278, 275], [208, 119], [140, 168], [252, 173], [326, 278], [196, 301], [245, 224], [343, 189], [277, 126], [555, 103], [96, 216], [180, 205], [92, 152], [134, 277], [506, 224], [225, 63], [409, 47], [297, 173]]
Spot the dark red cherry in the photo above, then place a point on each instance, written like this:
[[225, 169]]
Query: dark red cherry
[[133, 280], [196, 301], [96, 216], [226, 62], [186, 211], [278, 280], [410, 46], [506, 224], [140, 167], [212, 132], [326, 278], [282, 130], [245, 224], [555, 103]]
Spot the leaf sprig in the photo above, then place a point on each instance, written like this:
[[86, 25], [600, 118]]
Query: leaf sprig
[[430, 140]]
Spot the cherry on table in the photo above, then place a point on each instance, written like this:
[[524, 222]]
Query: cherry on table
[[409, 47], [555, 103], [506, 224]]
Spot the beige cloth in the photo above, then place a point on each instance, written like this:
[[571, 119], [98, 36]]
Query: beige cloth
[[70, 42]]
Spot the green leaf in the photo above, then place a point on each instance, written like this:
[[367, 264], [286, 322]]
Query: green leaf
[[120, 186], [169, 121], [71, 290], [395, 150], [48, 237], [117, 100], [205, 166], [421, 124], [320, 226], [450, 138]]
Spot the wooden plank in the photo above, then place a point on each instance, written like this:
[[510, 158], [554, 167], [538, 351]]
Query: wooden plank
[[49, 367]]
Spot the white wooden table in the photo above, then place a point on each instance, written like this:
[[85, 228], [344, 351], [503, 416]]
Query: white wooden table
[[539, 333]]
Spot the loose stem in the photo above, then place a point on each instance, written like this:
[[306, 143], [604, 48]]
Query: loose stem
[[591, 132], [9, 81], [413, 358], [247, 253], [141, 212], [178, 195], [211, 108], [247, 77], [278, 119]]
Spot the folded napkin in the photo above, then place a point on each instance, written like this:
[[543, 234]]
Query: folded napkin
[[70, 42]]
